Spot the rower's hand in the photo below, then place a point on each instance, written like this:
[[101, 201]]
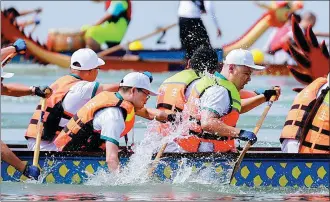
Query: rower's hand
[[38, 10], [32, 172], [20, 46], [247, 136], [276, 90], [219, 33], [43, 91], [162, 116]]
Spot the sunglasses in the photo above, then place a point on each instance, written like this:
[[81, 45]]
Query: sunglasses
[[146, 93]]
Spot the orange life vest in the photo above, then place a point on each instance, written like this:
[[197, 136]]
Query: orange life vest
[[54, 110], [172, 91], [221, 144], [317, 138], [79, 133]]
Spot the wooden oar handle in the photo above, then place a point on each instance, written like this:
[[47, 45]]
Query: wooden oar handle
[[8, 59], [119, 47], [256, 130], [39, 133], [157, 159]]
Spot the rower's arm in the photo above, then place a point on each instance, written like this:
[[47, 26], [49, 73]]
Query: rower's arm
[[211, 123], [108, 87], [250, 103], [16, 90], [102, 20], [112, 156], [7, 51], [150, 113]]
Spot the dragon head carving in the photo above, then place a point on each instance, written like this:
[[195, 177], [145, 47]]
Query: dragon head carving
[[312, 58], [279, 11]]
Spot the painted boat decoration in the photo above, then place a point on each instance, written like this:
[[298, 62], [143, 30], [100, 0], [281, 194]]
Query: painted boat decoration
[[261, 167], [157, 61]]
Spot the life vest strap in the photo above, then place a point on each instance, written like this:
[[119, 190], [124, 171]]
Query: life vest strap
[[302, 107], [208, 136], [167, 106], [316, 146], [34, 121], [311, 127]]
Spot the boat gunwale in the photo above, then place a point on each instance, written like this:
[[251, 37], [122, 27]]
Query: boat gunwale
[[205, 155]]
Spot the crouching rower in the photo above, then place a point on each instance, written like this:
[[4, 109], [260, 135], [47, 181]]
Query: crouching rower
[[215, 105], [306, 129], [100, 123], [70, 93]]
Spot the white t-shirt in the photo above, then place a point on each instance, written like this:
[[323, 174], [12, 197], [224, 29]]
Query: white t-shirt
[[189, 89], [110, 122], [189, 9], [216, 99], [78, 95]]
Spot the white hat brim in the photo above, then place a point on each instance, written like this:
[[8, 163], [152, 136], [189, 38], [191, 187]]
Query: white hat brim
[[100, 62], [6, 75], [256, 67], [152, 93]]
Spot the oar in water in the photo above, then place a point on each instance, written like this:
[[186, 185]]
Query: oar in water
[[156, 160], [39, 132], [122, 46], [255, 131], [8, 59]]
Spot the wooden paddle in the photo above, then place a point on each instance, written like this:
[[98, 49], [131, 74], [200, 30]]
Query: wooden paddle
[[8, 59], [122, 46], [255, 131], [39, 132], [156, 160]]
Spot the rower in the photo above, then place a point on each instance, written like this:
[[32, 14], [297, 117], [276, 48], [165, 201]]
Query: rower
[[193, 33], [213, 121], [19, 90], [12, 13], [111, 28], [306, 129], [100, 123]]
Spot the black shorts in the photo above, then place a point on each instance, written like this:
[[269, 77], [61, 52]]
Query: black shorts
[[192, 35]]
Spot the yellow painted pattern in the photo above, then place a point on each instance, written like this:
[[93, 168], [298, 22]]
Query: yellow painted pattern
[[257, 164], [63, 170], [270, 172], [309, 165], [50, 178], [168, 171], [308, 181], [283, 165], [76, 179], [89, 169], [321, 172], [283, 181], [296, 172], [76, 163], [219, 169], [257, 180], [245, 172], [11, 170]]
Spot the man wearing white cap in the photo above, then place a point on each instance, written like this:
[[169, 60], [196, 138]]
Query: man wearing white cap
[[70, 93], [100, 123], [215, 105]]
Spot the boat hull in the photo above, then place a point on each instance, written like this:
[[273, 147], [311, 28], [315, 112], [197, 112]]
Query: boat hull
[[257, 169]]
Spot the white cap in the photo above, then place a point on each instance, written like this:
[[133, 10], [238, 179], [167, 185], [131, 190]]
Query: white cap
[[242, 57], [87, 59], [6, 75], [138, 80]]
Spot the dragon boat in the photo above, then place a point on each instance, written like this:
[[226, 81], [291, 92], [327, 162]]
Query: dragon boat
[[265, 167], [150, 60]]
